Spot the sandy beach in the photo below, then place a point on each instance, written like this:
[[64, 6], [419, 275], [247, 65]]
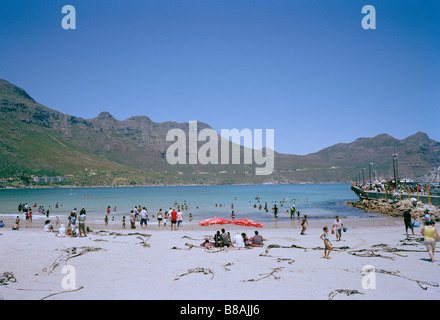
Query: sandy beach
[[113, 263]]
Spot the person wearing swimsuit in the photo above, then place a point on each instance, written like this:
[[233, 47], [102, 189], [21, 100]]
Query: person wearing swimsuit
[[327, 244]]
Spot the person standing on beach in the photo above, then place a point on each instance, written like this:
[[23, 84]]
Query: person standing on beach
[[303, 224], [430, 233], [159, 217], [82, 222], [144, 217], [338, 225], [132, 219], [173, 219], [407, 219], [123, 222], [165, 218], [179, 218], [72, 224], [327, 244]]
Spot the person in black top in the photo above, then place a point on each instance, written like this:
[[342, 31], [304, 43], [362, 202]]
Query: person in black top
[[407, 216]]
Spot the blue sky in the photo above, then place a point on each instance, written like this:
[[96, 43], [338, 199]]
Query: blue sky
[[304, 68]]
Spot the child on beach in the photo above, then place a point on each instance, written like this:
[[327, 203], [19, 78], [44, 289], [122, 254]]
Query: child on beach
[[327, 244], [303, 224], [123, 222]]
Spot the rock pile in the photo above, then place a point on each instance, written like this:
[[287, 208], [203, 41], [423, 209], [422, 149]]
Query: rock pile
[[396, 208]]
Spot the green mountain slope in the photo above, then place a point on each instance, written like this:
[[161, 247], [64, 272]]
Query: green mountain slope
[[39, 141]]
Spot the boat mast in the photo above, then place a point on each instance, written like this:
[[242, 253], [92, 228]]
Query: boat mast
[[395, 170]]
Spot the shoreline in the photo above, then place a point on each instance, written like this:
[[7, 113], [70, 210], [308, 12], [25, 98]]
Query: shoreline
[[285, 223], [170, 185]]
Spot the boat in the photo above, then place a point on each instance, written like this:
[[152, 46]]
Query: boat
[[371, 194], [401, 188]]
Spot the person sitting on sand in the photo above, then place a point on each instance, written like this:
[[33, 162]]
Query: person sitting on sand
[[207, 244], [246, 240], [61, 232], [16, 226], [2, 224], [218, 239], [226, 238], [48, 227], [257, 240], [237, 240]]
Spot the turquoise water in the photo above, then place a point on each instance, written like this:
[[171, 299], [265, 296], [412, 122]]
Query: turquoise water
[[317, 201]]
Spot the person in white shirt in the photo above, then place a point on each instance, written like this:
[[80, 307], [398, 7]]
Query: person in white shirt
[[337, 226], [61, 231], [144, 217], [48, 227], [179, 218], [237, 240]]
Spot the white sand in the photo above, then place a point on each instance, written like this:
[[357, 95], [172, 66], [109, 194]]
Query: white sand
[[128, 270]]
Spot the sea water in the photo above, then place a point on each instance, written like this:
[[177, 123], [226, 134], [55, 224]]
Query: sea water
[[203, 202]]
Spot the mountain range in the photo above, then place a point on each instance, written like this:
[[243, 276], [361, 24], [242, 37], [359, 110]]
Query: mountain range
[[39, 141]]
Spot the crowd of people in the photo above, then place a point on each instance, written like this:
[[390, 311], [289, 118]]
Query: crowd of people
[[223, 239], [173, 216]]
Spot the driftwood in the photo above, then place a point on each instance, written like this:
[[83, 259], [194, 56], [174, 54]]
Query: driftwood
[[7, 278], [345, 291], [289, 261], [387, 248], [143, 242], [197, 270], [119, 234], [223, 249], [70, 254], [419, 282], [267, 275], [368, 253], [228, 265], [53, 294], [299, 247], [189, 245]]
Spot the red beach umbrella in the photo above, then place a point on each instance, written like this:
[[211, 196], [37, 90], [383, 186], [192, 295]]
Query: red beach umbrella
[[248, 223], [215, 220]]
